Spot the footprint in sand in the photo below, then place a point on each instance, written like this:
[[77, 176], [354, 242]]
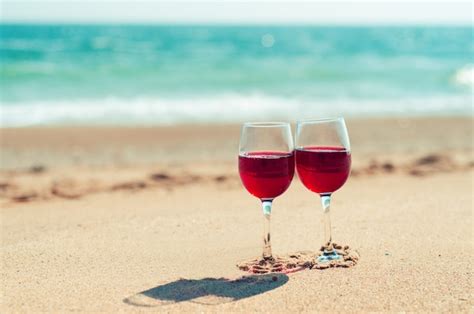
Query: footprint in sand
[[67, 188], [24, 197], [159, 177], [430, 164], [131, 186]]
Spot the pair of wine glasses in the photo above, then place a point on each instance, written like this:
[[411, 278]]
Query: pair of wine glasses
[[267, 159]]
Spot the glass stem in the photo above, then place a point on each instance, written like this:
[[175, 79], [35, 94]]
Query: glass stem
[[326, 203], [267, 246]]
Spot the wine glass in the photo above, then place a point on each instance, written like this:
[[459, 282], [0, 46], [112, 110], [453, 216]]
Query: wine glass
[[266, 166], [323, 163]]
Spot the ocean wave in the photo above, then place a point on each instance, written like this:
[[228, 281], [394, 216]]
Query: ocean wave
[[221, 109], [465, 76]]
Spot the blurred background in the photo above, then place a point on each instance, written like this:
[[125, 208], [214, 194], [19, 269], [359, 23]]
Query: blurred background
[[70, 62]]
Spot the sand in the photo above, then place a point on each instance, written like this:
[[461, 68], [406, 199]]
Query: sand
[[155, 219]]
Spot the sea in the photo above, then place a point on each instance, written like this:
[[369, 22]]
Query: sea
[[184, 74]]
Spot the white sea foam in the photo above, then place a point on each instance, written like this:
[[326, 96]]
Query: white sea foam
[[465, 76], [222, 109]]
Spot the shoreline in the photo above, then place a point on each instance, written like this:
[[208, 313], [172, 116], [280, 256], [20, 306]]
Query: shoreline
[[23, 148]]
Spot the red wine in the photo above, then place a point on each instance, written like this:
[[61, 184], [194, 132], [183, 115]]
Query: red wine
[[323, 169], [266, 174]]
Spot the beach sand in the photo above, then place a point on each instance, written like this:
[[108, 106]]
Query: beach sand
[[155, 219]]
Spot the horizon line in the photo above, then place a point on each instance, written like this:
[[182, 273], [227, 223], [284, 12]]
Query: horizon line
[[230, 24]]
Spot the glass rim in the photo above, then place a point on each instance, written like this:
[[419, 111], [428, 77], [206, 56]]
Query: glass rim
[[266, 124], [330, 119]]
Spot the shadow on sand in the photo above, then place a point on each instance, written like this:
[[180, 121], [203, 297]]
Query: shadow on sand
[[209, 291]]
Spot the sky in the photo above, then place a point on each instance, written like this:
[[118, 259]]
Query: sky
[[239, 12]]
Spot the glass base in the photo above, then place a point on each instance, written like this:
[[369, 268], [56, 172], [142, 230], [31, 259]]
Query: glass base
[[335, 255], [329, 256], [287, 263]]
